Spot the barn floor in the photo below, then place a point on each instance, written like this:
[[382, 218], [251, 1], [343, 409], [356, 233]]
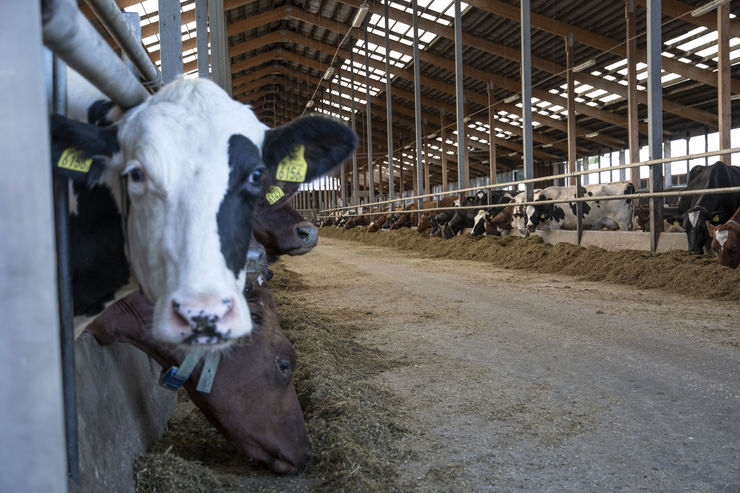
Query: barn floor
[[464, 376]]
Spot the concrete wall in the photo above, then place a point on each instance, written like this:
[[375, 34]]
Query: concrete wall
[[122, 411]]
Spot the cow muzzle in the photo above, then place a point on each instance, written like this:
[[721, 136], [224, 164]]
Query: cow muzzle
[[206, 321]]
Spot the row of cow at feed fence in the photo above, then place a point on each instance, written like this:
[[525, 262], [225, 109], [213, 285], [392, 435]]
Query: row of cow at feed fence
[[711, 222], [179, 206]]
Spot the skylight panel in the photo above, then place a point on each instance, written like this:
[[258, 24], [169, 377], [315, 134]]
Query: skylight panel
[[689, 34], [701, 40]]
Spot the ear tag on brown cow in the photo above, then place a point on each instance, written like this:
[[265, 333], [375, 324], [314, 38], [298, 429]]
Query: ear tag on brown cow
[[715, 219], [208, 373], [293, 167], [72, 159], [275, 194]]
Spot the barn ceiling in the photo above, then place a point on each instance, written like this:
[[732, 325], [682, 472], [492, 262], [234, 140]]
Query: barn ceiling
[[281, 50]]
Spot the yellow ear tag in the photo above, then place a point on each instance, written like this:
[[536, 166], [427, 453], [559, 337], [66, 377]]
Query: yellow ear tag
[[275, 194], [72, 159], [293, 167], [542, 216], [675, 223], [715, 219]]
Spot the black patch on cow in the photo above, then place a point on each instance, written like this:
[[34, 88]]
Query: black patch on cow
[[94, 142], [98, 259], [718, 175], [585, 208], [236, 212], [97, 113], [629, 189], [327, 143]]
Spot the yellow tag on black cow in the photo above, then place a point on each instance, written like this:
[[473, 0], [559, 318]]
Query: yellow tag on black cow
[[675, 223], [715, 219], [293, 167], [275, 194], [72, 159]]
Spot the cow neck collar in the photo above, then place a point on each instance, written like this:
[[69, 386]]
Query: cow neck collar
[[732, 221]]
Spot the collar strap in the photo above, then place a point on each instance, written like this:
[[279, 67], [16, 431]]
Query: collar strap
[[732, 221], [174, 377]]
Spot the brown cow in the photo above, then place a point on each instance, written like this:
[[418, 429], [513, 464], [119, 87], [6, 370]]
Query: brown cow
[[726, 240], [278, 226], [404, 219], [424, 220], [252, 401], [378, 222]]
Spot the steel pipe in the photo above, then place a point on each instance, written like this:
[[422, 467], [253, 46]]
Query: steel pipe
[[112, 19], [68, 34], [687, 157]]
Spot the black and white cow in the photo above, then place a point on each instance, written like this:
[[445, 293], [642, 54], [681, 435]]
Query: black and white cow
[[696, 210], [166, 200], [596, 214], [465, 218]]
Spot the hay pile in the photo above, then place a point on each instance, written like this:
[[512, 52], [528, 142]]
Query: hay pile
[[675, 271], [351, 422]]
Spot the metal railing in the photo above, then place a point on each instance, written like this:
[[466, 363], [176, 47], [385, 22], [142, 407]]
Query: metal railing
[[636, 195]]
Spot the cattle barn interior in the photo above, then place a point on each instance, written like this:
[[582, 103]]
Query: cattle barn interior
[[537, 88], [291, 58]]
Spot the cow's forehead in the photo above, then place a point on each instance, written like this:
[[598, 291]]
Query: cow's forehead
[[193, 117]]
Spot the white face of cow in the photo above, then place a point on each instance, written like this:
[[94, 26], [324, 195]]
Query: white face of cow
[[191, 161], [186, 168]]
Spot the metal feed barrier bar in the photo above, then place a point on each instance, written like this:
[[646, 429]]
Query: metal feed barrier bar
[[687, 157]]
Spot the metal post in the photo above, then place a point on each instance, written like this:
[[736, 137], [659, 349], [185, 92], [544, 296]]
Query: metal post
[[572, 151], [32, 455], [633, 135], [201, 37], [459, 100], [220, 59], [443, 147], [420, 179], [355, 179], [133, 21], [668, 176], [388, 109], [369, 126], [58, 103], [724, 79], [655, 118], [526, 47], [170, 39], [491, 135]]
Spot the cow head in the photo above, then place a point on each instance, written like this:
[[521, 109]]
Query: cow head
[[187, 168], [278, 226], [726, 242], [253, 402], [697, 234]]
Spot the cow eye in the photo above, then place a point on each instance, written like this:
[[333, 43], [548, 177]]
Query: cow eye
[[284, 366], [256, 176], [136, 175]]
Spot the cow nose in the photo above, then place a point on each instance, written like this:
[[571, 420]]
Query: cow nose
[[308, 234], [205, 320]]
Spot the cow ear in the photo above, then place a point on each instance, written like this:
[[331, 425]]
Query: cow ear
[[81, 151], [711, 228], [306, 148]]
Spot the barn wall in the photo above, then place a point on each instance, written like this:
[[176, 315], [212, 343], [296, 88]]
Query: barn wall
[[121, 411]]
